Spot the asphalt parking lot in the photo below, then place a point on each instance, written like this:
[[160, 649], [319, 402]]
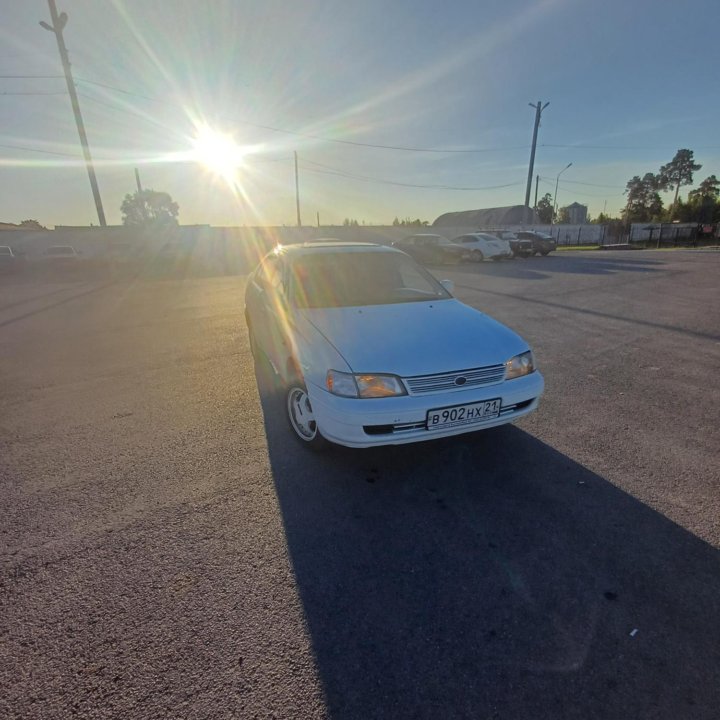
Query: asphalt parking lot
[[168, 551]]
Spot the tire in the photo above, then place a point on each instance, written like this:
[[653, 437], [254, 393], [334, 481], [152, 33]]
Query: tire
[[544, 252], [298, 411], [477, 256]]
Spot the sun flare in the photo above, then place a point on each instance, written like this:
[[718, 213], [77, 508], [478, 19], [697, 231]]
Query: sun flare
[[218, 152]]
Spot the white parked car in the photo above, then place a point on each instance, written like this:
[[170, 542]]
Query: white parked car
[[485, 247], [372, 350]]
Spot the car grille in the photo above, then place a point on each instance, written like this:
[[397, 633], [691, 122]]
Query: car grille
[[475, 377]]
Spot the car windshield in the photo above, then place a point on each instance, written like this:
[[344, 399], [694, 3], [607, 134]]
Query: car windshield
[[5, 251], [347, 279]]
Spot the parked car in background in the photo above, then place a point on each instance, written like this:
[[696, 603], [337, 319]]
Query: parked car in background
[[60, 254], [542, 243], [432, 249], [370, 349], [520, 248], [484, 247], [8, 259]]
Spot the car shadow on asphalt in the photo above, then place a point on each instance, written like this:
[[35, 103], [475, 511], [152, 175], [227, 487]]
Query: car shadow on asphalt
[[490, 575]]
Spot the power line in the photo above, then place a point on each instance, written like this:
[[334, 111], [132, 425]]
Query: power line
[[578, 182], [623, 147], [327, 170], [313, 136], [551, 182], [349, 142], [54, 92], [37, 150]]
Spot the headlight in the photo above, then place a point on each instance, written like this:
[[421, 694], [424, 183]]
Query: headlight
[[364, 386], [519, 365]]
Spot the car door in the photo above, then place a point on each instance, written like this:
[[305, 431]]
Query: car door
[[433, 254], [413, 247], [468, 241], [269, 311]]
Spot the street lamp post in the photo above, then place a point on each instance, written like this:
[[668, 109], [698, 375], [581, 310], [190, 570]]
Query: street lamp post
[[557, 182]]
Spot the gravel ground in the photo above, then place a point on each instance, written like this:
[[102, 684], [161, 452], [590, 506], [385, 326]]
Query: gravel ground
[[168, 551]]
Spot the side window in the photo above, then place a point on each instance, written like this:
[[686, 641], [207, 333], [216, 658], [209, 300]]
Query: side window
[[270, 275]]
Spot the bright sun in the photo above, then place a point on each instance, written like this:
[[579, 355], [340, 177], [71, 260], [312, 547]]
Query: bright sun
[[218, 152]]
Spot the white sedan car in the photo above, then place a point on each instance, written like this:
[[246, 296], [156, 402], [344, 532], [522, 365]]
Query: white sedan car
[[484, 247], [371, 349]]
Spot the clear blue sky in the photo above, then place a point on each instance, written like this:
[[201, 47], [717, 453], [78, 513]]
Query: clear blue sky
[[638, 78]]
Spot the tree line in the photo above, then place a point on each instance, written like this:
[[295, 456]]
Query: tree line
[[644, 203]]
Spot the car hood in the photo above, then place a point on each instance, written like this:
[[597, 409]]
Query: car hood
[[418, 338]]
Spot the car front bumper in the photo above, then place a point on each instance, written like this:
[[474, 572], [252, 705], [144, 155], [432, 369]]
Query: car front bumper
[[399, 420]]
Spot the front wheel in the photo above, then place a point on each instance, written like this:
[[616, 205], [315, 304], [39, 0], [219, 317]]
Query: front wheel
[[301, 417], [477, 256]]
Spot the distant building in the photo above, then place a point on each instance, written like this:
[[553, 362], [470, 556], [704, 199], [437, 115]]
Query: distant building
[[489, 217], [577, 214]]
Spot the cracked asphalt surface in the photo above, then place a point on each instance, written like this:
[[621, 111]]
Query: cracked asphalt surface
[[168, 551]]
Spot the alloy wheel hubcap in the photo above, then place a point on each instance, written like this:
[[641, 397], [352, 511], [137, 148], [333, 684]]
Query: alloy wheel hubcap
[[301, 414]]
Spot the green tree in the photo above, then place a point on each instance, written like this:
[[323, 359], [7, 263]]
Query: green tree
[[149, 208], [643, 200], [679, 171], [704, 201], [708, 189], [545, 209], [563, 216], [32, 225]]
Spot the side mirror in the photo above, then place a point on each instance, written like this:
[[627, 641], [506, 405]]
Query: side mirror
[[449, 285]]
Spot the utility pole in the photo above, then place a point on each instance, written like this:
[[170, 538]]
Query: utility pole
[[140, 198], [58, 24], [537, 180], [538, 112], [318, 218], [297, 192]]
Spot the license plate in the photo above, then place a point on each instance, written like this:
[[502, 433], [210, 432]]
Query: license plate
[[463, 414]]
